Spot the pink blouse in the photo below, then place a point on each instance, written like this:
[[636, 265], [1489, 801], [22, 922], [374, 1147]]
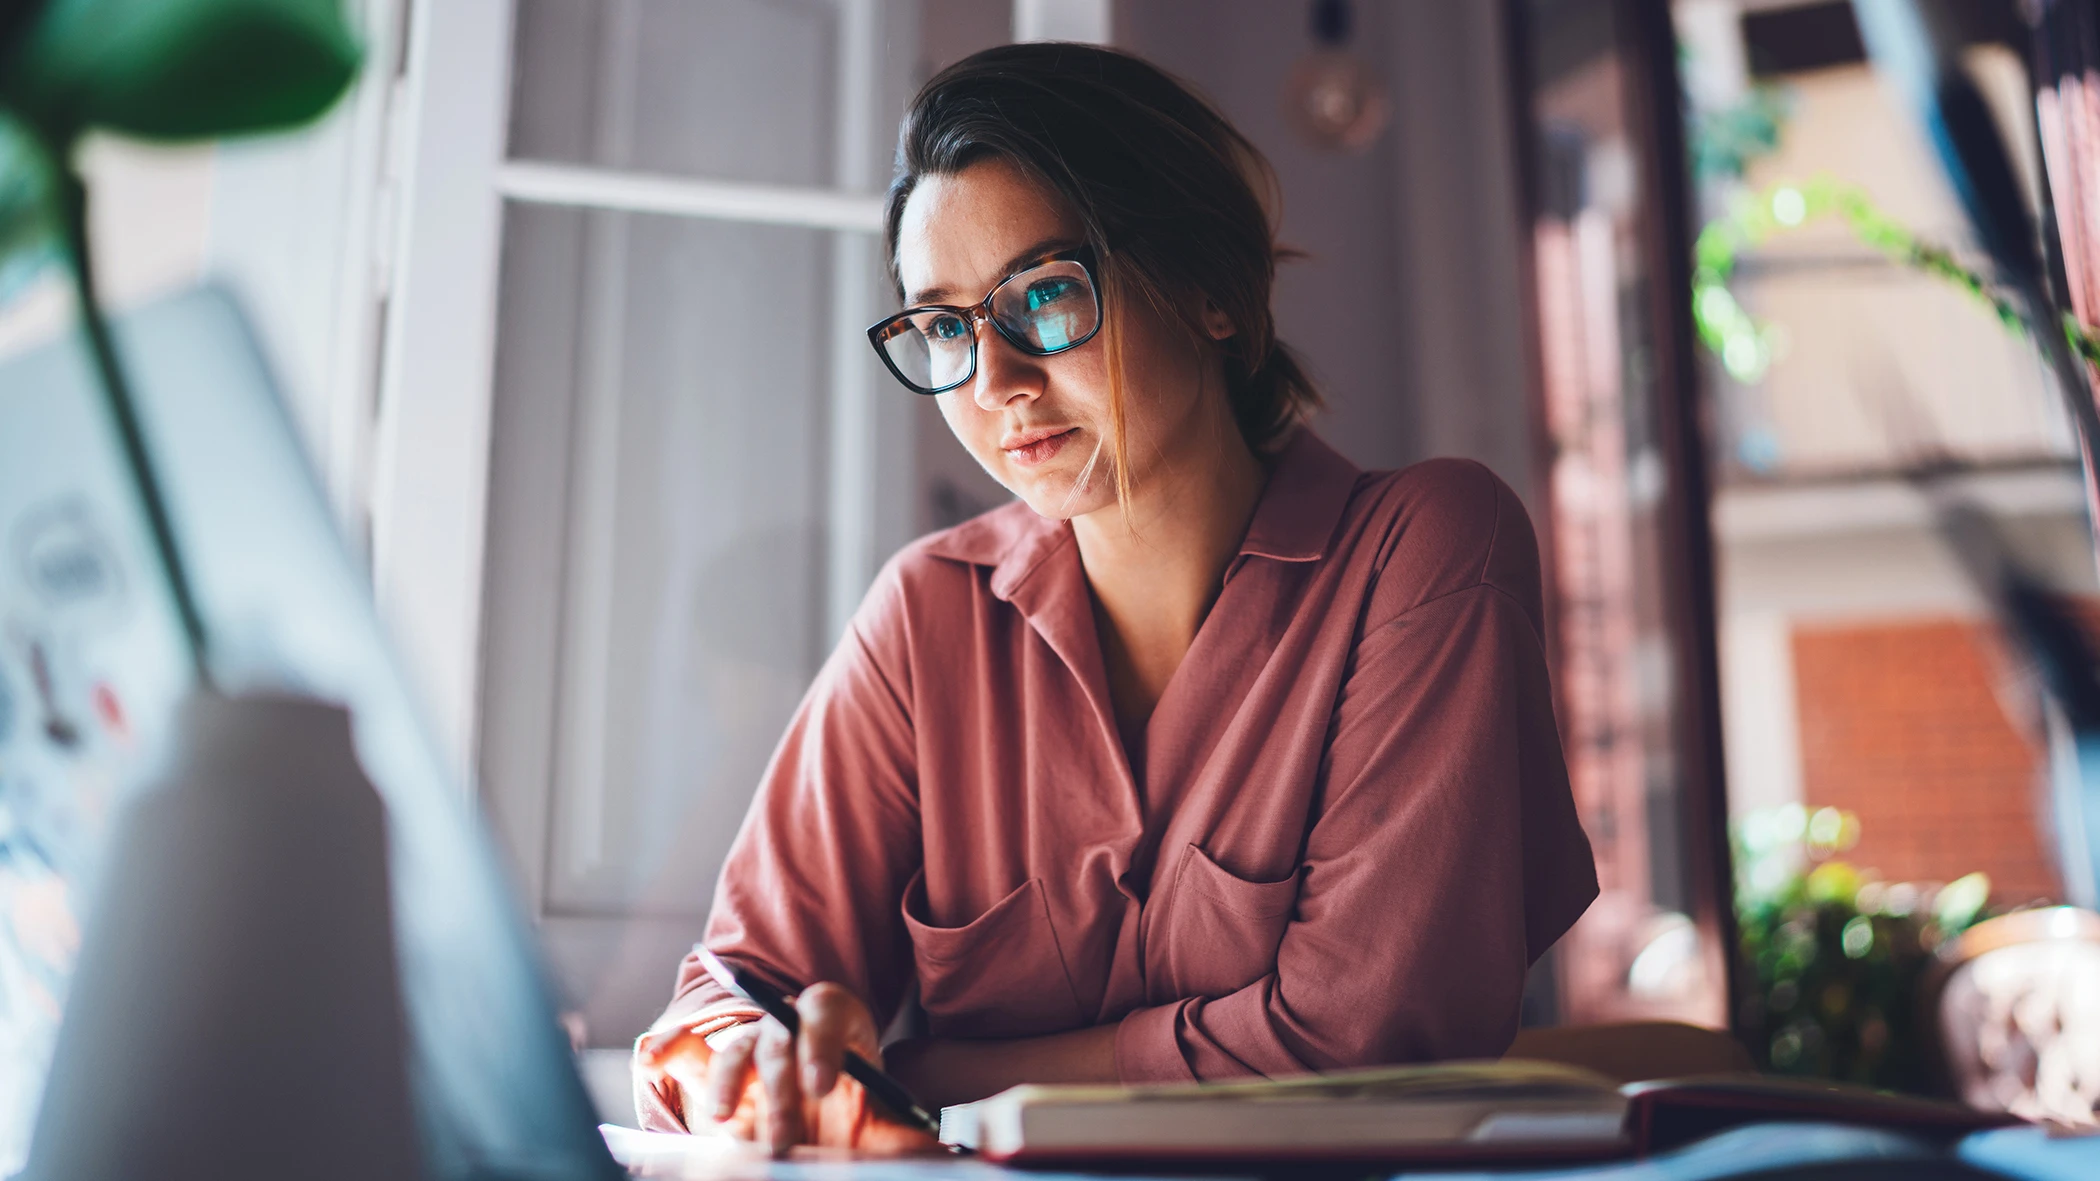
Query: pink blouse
[[1350, 835]]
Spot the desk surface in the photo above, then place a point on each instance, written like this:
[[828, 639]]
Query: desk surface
[[1825, 1151]]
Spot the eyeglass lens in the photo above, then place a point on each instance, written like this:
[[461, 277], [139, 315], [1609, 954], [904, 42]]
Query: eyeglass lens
[[1042, 310]]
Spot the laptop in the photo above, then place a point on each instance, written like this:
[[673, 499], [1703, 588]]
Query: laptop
[[93, 666]]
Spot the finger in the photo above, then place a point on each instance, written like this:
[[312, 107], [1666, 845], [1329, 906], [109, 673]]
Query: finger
[[658, 1050], [775, 1058], [848, 1119], [881, 1137], [728, 1075], [833, 1021], [672, 1062]]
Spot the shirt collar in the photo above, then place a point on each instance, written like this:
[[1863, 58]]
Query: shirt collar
[[1011, 539], [1308, 487]]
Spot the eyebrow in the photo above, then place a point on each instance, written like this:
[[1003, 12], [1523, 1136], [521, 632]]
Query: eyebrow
[[1047, 246]]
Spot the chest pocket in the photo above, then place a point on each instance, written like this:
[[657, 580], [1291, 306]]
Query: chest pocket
[[999, 975], [1221, 931]]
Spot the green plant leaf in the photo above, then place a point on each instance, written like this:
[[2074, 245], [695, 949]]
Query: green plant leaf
[[28, 231], [180, 69], [15, 16]]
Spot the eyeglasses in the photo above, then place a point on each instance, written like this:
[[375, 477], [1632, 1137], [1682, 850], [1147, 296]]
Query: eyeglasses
[[1043, 309]]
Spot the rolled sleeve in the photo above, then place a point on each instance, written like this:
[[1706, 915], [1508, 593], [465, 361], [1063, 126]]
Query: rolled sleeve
[[1148, 1046]]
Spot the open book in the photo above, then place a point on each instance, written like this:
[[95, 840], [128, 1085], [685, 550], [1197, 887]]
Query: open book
[[1473, 1111]]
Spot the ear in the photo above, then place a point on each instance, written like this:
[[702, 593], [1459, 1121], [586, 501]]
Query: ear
[[1216, 324]]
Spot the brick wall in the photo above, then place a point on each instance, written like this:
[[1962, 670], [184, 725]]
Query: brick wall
[[1900, 724]]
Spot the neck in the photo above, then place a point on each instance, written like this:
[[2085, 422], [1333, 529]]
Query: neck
[[1156, 570], [1186, 520]]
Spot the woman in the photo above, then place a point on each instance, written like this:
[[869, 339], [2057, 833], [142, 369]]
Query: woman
[[1211, 757]]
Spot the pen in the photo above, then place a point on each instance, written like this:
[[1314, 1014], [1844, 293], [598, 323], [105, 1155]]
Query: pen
[[887, 1090]]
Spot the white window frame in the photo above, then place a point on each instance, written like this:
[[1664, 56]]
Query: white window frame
[[429, 495], [447, 185]]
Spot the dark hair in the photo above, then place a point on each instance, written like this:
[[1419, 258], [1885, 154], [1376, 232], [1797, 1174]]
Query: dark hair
[[1174, 200]]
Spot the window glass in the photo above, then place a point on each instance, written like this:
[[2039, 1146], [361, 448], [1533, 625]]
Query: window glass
[[683, 87], [658, 515]]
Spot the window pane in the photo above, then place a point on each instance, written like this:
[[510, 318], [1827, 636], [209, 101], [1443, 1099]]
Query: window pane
[[729, 89], [656, 566], [1882, 739], [1850, 362], [1627, 631]]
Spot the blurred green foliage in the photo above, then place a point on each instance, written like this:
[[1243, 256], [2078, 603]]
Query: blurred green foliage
[[1746, 347], [178, 69], [28, 235], [166, 70], [1722, 144], [1836, 956], [1725, 141]]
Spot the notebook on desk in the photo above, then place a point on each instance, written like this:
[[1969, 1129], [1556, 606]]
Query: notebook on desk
[[1463, 1111]]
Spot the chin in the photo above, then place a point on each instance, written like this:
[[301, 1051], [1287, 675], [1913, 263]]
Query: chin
[[1053, 497]]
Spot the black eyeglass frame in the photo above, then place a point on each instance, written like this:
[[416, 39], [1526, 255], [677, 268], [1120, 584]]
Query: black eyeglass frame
[[982, 310]]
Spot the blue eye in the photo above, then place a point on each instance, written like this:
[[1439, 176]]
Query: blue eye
[[948, 328], [1044, 292]]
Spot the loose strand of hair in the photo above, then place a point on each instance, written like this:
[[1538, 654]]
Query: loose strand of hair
[[1117, 413], [1085, 478]]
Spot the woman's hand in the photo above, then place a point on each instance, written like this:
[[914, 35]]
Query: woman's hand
[[779, 1090]]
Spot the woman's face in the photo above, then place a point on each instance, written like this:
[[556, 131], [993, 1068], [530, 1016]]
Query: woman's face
[[1040, 425]]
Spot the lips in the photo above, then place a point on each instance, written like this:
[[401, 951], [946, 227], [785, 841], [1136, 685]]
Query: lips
[[1029, 448]]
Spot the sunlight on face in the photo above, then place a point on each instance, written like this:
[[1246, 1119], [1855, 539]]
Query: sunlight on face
[[1041, 425]]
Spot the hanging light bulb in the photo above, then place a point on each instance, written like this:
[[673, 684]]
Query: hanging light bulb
[[1332, 97]]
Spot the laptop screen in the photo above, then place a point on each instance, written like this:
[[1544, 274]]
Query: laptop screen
[[92, 665]]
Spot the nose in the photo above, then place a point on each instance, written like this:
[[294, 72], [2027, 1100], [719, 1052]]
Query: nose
[[1005, 374]]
